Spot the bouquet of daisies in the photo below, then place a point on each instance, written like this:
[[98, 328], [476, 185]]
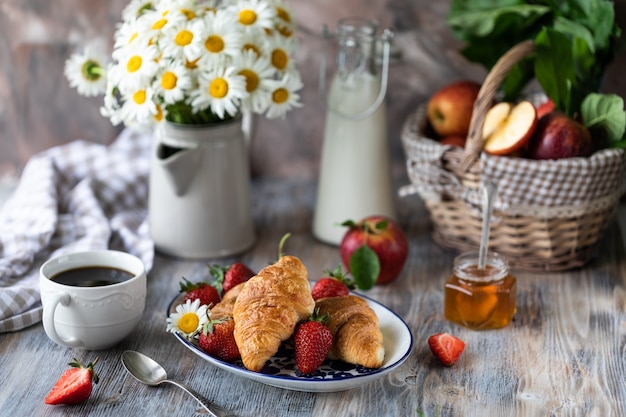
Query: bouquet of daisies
[[194, 62]]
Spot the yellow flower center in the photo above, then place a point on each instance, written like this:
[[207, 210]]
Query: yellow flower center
[[218, 88], [133, 37], [183, 38], [280, 96], [283, 14], [188, 323], [139, 97], [252, 79], [190, 14], [280, 59], [252, 47], [159, 115], [285, 31], [247, 17], [134, 63], [192, 64], [168, 80], [159, 24], [214, 43]]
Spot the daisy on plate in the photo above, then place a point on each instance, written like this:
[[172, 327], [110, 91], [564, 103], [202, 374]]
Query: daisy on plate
[[86, 72], [220, 37], [257, 72], [172, 82], [221, 90], [188, 318], [284, 96], [253, 15]]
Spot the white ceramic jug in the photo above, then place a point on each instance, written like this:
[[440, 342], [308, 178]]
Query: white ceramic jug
[[199, 205]]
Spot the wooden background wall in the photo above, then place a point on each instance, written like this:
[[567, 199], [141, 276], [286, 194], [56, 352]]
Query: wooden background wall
[[38, 110]]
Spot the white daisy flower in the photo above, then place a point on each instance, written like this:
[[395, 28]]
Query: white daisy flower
[[188, 318], [129, 32], [139, 107], [136, 8], [136, 67], [220, 36], [253, 15], [87, 73], [112, 105], [173, 82], [280, 49], [284, 22], [284, 96], [257, 72], [159, 20], [182, 40], [220, 89], [252, 42]]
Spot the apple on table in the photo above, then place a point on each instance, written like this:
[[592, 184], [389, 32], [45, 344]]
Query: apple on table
[[449, 109], [374, 250]]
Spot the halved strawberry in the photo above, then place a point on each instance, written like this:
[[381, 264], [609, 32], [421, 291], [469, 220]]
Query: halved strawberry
[[75, 384], [446, 347], [206, 292]]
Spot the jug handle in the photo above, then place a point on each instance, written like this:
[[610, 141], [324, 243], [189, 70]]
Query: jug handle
[[386, 37]]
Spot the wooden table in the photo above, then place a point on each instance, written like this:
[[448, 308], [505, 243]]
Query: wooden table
[[563, 355]]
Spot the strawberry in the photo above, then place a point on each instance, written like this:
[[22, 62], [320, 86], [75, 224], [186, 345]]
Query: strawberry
[[207, 293], [75, 384], [312, 342], [335, 284], [218, 340], [446, 347], [232, 275]]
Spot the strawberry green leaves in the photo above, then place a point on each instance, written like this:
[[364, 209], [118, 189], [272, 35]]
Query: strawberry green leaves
[[365, 267]]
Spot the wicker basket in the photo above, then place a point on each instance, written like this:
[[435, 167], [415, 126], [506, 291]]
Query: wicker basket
[[548, 215]]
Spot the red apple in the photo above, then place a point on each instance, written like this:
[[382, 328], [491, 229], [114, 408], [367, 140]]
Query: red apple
[[454, 140], [449, 109], [384, 237], [508, 127], [545, 108], [558, 136]]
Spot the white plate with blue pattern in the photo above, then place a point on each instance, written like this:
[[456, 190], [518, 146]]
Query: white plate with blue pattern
[[334, 375]]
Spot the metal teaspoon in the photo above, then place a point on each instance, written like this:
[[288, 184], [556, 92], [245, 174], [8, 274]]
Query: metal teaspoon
[[146, 370]]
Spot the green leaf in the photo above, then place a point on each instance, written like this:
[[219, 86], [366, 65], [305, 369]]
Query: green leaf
[[554, 67], [605, 111], [365, 267]]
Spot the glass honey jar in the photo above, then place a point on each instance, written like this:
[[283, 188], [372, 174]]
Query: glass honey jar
[[480, 299]]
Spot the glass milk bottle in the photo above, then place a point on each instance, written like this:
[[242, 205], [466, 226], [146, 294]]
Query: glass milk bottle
[[355, 170]]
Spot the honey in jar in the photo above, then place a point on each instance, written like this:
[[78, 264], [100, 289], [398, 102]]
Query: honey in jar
[[480, 299]]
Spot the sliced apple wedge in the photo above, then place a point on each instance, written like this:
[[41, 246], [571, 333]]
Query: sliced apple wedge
[[509, 131]]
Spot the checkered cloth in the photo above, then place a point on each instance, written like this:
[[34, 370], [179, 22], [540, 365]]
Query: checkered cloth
[[557, 188], [75, 197]]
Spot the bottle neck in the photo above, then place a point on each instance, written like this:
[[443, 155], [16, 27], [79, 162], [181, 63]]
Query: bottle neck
[[357, 47]]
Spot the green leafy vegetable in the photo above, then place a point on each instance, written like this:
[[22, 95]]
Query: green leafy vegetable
[[606, 111]]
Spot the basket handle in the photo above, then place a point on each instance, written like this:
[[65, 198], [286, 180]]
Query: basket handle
[[485, 98]]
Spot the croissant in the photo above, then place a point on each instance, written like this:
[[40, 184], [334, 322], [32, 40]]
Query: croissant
[[357, 338], [225, 307], [267, 309]]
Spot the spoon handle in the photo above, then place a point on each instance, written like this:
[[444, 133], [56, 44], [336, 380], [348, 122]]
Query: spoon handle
[[488, 193], [213, 409]]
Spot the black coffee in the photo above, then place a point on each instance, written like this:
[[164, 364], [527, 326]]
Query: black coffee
[[92, 276]]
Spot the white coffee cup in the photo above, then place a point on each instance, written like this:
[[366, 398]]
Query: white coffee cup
[[92, 317]]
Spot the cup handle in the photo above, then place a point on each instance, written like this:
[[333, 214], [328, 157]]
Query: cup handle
[[49, 308]]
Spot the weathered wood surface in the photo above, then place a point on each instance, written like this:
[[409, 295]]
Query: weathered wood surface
[[562, 356]]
